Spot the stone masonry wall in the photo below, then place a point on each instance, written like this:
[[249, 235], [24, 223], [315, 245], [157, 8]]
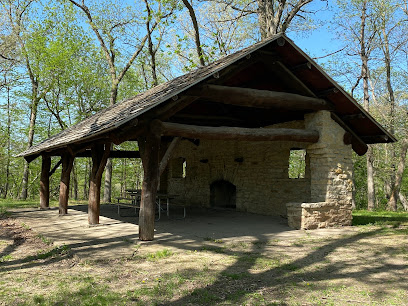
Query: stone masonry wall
[[259, 170], [330, 178]]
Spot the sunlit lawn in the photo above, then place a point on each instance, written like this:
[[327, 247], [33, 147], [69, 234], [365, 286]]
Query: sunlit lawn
[[306, 271], [6, 204], [365, 217]]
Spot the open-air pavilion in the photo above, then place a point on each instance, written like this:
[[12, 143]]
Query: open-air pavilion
[[222, 135]]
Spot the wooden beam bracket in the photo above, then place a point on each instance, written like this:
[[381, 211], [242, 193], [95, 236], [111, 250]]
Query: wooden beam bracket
[[55, 167], [167, 155]]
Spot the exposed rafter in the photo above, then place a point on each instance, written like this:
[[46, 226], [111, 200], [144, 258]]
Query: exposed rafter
[[289, 78]]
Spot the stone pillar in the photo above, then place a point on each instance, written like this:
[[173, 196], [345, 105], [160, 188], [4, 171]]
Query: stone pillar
[[331, 183]]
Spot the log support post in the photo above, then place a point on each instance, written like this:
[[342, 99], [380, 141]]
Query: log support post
[[45, 182], [149, 146], [67, 163], [100, 154]]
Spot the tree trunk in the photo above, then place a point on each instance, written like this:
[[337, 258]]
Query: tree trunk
[[151, 51], [370, 180], [107, 192], [403, 201], [67, 162], [271, 18], [390, 148], [149, 146], [6, 187], [392, 203], [45, 182], [33, 117], [199, 49], [364, 76], [86, 181]]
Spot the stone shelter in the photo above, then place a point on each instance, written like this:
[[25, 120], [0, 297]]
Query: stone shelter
[[223, 136]]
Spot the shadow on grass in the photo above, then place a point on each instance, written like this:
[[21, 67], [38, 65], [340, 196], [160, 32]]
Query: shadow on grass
[[274, 275], [281, 276]]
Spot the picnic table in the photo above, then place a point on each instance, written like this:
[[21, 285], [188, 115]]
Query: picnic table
[[132, 200]]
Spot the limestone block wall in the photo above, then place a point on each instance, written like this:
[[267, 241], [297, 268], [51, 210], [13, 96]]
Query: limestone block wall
[[315, 215], [259, 170], [330, 178]]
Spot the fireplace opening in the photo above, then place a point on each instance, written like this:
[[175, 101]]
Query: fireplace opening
[[223, 194]]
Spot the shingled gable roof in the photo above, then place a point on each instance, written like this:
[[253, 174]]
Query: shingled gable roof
[[119, 114]]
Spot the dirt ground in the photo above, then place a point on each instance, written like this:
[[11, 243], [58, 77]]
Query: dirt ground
[[208, 258]]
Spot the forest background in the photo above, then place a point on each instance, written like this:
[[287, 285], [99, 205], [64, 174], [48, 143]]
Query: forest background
[[62, 61]]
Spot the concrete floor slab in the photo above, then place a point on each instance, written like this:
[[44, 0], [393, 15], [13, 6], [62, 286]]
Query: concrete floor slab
[[117, 237]]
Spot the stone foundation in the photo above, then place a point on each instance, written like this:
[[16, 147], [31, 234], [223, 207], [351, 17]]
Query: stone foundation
[[317, 215]]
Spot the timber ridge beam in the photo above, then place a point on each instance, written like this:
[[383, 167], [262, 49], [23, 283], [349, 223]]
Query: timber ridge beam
[[258, 98], [237, 133]]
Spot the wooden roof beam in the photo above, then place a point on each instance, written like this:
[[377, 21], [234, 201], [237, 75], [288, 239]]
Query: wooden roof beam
[[236, 133], [375, 138], [258, 98], [353, 117], [287, 75]]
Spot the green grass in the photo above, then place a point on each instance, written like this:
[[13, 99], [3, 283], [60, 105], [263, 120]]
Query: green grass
[[6, 258], [11, 203], [56, 252], [85, 291], [7, 204], [364, 217], [44, 239], [159, 255]]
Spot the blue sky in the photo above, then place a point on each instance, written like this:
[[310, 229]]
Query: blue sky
[[320, 41]]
